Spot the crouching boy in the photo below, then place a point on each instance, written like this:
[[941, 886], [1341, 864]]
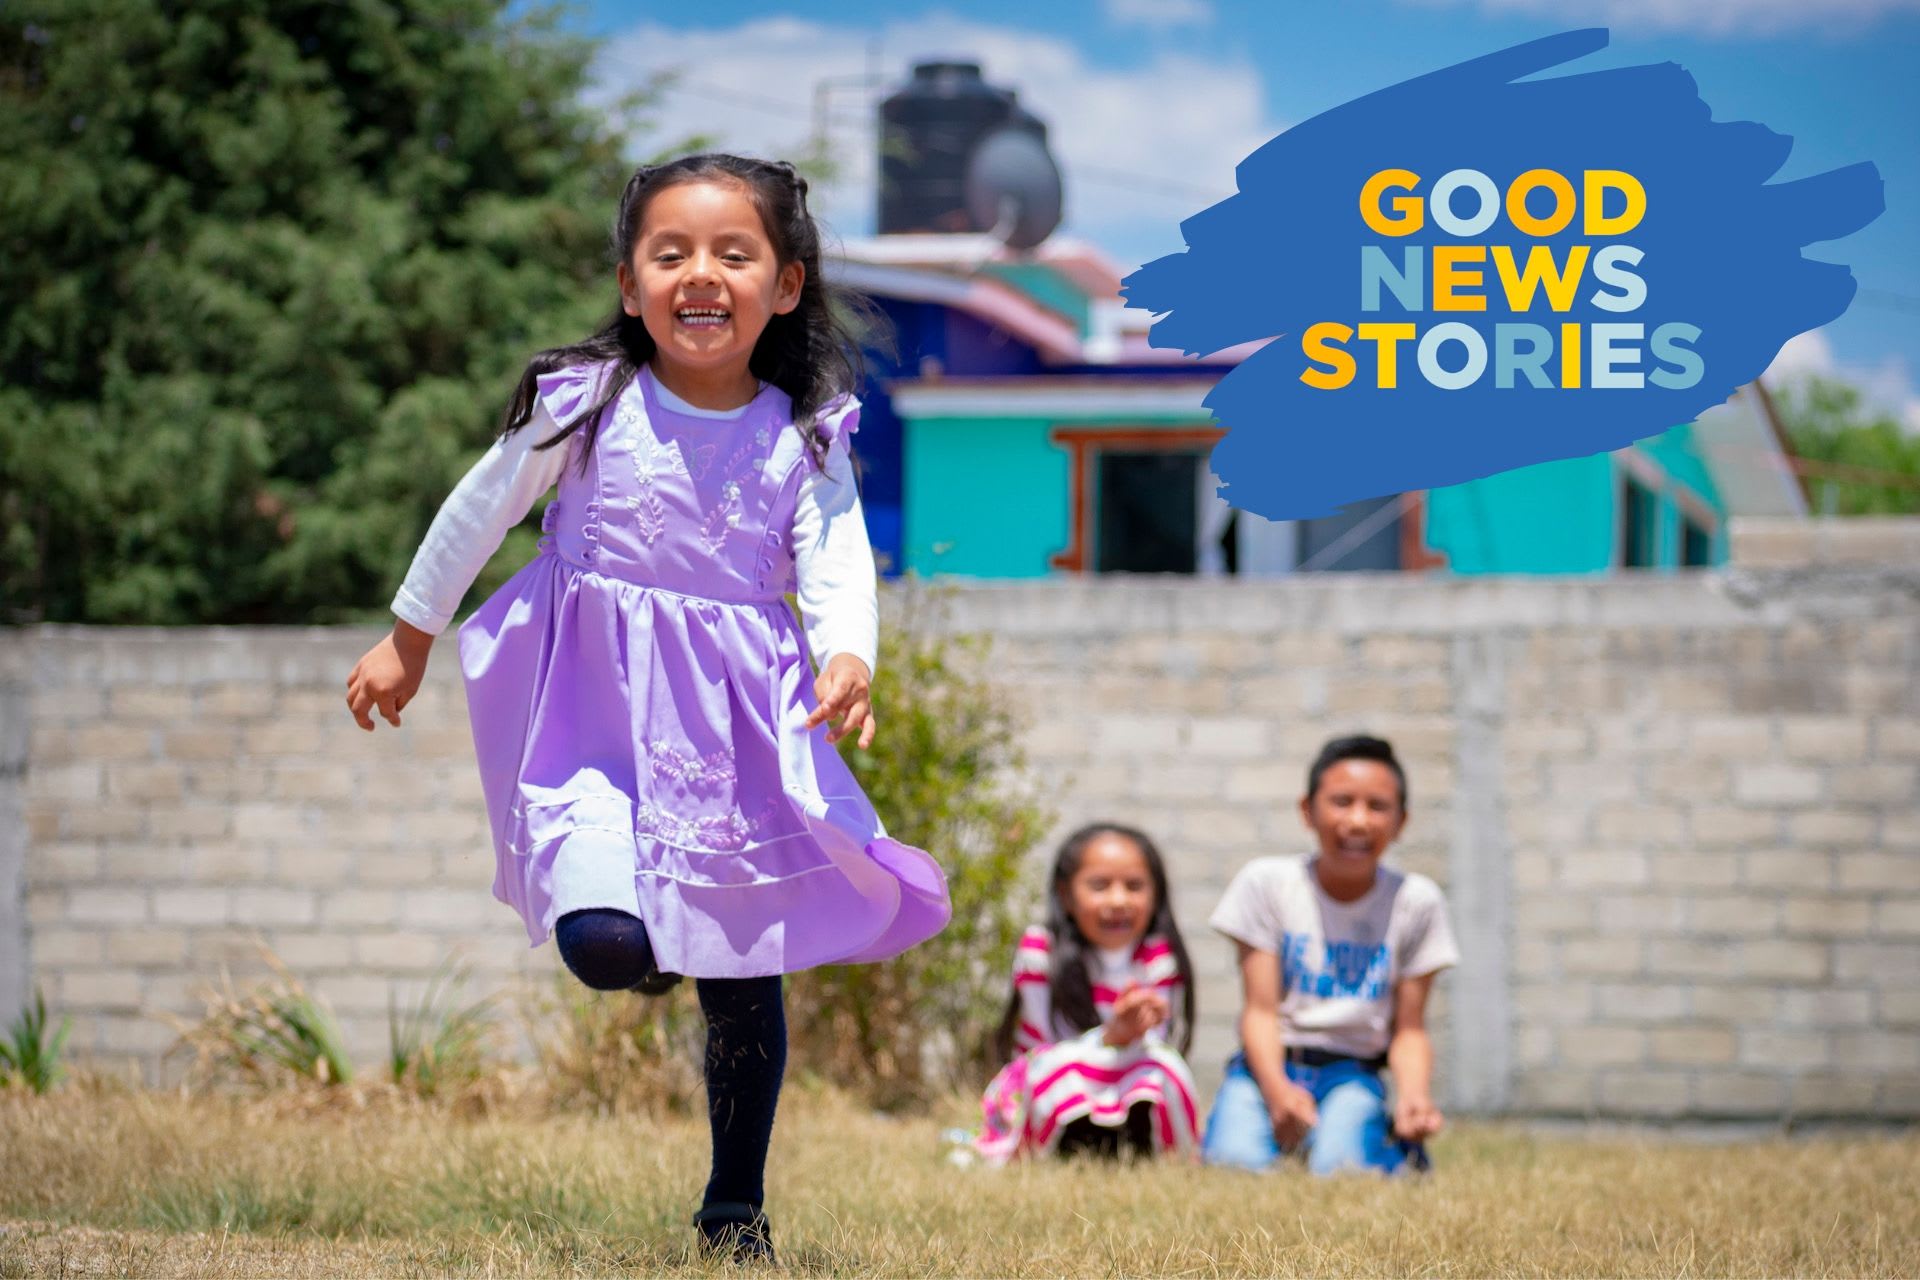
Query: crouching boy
[[1337, 957]]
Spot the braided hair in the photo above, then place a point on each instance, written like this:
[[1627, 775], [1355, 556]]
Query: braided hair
[[812, 352]]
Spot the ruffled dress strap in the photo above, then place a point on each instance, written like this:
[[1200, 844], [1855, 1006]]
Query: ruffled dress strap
[[566, 393], [838, 420]]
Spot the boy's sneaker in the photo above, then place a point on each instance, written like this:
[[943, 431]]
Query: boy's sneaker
[[735, 1232], [1413, 1155]]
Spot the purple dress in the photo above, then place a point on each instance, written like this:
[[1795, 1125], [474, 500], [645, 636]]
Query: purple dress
[[637, 693]]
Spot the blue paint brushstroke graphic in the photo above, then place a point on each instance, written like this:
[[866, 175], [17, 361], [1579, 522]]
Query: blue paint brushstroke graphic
[[1721, 251]]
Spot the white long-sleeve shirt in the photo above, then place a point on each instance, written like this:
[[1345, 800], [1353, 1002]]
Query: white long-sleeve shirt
[[833, 559]]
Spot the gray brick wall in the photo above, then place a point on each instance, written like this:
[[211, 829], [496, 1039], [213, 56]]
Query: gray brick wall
[[15, 723], [1678, 816], [191, 789]]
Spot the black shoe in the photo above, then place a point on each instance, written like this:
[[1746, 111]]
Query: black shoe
[[734, 1231], [657, 983]]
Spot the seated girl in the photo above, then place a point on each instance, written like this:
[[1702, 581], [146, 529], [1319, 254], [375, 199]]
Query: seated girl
[[1102, 995], [1337, 957]]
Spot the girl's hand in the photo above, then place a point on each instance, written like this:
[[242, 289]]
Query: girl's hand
[[1137, 1011], [842, 691], [389, 675], [1415, 1118], [1293, 1114]]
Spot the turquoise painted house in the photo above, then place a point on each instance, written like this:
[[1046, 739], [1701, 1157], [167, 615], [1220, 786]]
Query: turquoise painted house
[[1024, 428], [1661, 504]]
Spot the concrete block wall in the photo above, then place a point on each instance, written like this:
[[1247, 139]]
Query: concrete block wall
[[15, 724], [192, 790], [1677, 816]]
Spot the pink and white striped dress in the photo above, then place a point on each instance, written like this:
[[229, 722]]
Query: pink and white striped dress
[[1060, 1073]]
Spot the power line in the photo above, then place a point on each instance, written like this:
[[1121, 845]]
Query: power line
[[758, 102], [1143, 182], [793, 110], [1846, 473]]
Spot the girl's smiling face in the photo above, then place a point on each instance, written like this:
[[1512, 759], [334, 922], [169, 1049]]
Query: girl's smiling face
[[1110, 896], [1356, 812], [705, 279]]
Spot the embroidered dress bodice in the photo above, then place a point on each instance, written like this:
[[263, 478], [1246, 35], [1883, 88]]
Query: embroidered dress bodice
[[821, 531], [700, 506]]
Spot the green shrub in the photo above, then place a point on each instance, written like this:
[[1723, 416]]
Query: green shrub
[[276, 1031], [28, 1056], [946, 775], [438, 1043]]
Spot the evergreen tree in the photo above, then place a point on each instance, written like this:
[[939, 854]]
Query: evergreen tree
[[269, 270]]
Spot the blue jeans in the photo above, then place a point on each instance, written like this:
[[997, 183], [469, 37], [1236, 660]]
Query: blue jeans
[[1354, 1132]]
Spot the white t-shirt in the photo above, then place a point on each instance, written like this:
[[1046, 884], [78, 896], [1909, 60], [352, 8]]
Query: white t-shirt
[[832, 557], [1338, 960]]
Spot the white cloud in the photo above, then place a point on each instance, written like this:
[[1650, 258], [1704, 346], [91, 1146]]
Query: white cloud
[[1805, 355], [1709, 17], [1158, 14], [1175, 123], [1886, 387]]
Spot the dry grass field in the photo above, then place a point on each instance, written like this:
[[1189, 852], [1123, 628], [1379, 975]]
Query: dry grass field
[[98, 1181]]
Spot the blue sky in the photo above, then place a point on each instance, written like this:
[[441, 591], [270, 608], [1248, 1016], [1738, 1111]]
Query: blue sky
[[1152, 102]]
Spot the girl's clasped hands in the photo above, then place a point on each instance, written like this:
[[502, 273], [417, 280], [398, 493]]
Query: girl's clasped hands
[[1137, 1010]]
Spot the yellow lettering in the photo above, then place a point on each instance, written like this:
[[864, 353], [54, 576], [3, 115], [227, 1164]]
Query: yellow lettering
[[1387, 339], [1448, 275], [1411, 209], [1600, 181], [1563, 202], [1324, 343], [1540, 270]]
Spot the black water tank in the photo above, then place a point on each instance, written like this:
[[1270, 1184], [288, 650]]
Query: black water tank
[[929, 131]]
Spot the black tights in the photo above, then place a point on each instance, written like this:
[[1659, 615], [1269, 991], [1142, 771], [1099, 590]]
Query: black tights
[[746, 1042], [1083, 1136]]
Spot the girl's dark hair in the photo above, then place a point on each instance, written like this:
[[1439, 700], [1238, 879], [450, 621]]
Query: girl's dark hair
[[1071, 988], [1358, 747], [812, 353]]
